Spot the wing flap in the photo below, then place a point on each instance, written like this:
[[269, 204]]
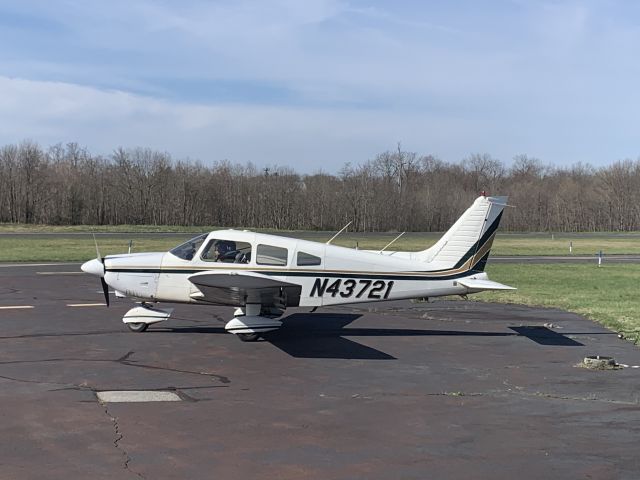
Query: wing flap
[[239, 288]]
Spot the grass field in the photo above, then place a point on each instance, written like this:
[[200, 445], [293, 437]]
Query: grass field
[[607, 294], [36, 244], [76, 249], [32, 228]]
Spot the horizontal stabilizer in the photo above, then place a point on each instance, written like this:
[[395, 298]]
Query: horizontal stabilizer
[[480, 285]]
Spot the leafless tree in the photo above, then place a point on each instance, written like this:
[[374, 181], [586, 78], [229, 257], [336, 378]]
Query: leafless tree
[[396, 190]]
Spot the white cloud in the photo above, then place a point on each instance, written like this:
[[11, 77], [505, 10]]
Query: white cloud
[[553, 79], [51, 112]]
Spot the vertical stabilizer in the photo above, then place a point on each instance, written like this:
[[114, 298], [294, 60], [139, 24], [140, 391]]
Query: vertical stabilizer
[[466, 244]]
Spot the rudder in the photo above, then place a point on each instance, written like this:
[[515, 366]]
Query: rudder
[[466, 245]]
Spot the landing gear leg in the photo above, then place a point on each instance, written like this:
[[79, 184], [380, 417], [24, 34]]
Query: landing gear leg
[[248, 323]]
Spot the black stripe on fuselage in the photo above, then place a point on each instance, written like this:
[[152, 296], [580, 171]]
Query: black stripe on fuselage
[[319, 273]]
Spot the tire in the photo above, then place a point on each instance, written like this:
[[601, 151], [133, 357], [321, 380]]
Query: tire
[[248, 337], [138, 327]]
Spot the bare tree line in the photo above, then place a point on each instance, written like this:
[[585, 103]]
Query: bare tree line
[[397, 190]]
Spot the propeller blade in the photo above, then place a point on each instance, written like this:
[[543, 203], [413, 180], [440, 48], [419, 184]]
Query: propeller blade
[[105, 290], [97, 250]]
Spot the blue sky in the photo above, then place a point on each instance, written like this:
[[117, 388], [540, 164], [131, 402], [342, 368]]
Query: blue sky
[[316, 83]]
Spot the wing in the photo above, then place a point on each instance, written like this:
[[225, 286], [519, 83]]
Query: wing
[[239, 288]]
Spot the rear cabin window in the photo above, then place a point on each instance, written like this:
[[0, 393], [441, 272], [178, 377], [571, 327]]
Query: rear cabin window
[[226, 251], [306, 259], [270, 255]]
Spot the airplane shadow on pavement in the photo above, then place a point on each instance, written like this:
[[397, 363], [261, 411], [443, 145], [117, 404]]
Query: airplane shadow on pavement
[[321, 336], [306, 335]]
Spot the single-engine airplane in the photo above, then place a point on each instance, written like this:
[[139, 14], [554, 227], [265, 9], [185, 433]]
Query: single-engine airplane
[[263, 274]]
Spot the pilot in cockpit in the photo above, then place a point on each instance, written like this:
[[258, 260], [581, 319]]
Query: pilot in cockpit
[[227, 251], [221, 250]]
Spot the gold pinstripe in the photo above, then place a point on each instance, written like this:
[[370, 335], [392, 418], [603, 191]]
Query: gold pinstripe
[[468, 265]]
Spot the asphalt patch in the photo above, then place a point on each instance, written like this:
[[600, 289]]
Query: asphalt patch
[[127, 396]]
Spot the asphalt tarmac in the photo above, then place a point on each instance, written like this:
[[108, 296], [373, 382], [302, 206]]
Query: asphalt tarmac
[[610, 258], [449, 389]]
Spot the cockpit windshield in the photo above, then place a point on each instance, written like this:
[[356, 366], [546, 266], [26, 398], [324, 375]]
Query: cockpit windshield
[[188, 249]]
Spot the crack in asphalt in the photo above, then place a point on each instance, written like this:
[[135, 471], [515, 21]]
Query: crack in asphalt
[[123, 360], [516, 390], [220, 378], [410, 395], [44, 382], [490, 393], [9, 291], [66, 334], [571, 398], [116, 442], [519, 390], [118, 434]]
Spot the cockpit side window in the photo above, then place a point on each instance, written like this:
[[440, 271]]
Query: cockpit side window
[[188, 249], [226, 251], [306, 259]]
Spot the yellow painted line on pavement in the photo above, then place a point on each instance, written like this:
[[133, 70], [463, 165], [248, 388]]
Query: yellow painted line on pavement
[[86, 304], [60, 273], [13, 265]]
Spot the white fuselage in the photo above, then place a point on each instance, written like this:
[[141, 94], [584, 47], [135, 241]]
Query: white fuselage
[[343, 275]]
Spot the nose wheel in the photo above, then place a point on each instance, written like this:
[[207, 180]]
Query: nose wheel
[[137, 327], [139, 318]]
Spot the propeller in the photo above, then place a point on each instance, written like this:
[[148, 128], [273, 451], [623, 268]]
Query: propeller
[[99, 258], [105, 290]]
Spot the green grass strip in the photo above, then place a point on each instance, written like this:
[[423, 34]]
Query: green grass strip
[[607, 294]]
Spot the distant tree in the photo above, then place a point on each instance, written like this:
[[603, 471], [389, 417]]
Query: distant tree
[[396, 190]]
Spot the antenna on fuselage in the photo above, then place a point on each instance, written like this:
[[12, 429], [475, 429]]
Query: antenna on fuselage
[[391, 242], [341, 230]]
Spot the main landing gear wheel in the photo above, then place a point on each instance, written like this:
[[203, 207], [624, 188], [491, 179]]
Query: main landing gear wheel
[[248, 337], [137, 327]]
